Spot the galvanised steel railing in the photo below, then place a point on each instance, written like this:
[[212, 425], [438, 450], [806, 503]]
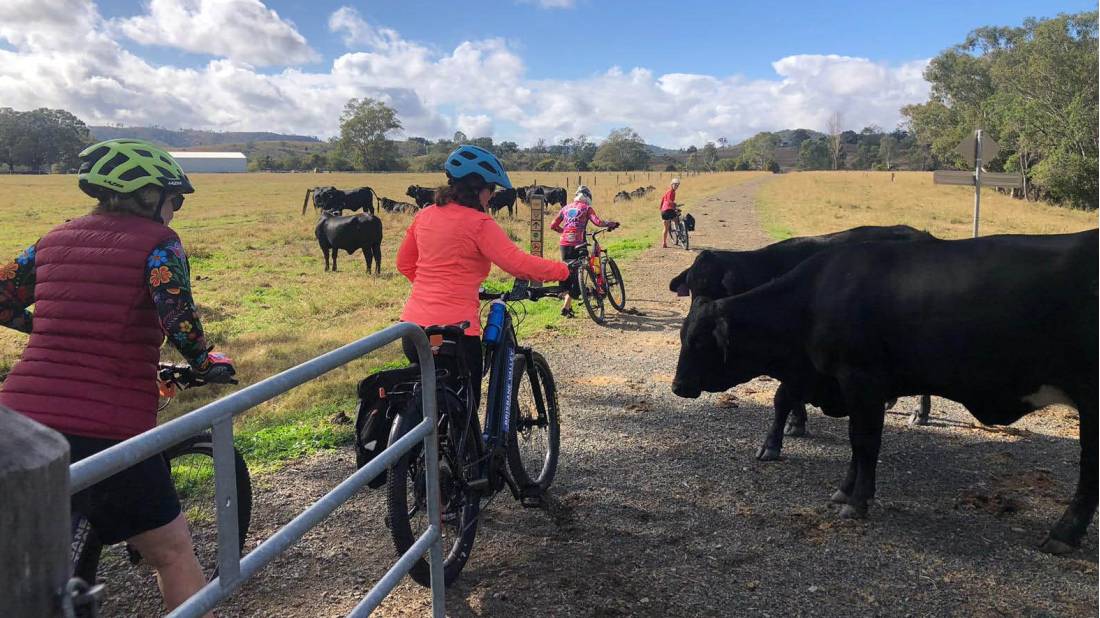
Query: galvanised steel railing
[[233, 570]]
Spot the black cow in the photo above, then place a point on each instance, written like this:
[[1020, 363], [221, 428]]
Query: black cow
[[552, 195], [505, 198], [350, 233], [638, 193], [389, 205], [621, 196], [718, 274], [421, 195], [1003, 325], [334, 200]]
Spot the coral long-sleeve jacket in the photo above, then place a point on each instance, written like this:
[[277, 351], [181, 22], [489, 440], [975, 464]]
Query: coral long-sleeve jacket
[[447, 253]]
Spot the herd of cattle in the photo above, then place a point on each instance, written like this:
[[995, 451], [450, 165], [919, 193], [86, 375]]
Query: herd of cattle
[[351, 233], [849, 322], [640, 192]]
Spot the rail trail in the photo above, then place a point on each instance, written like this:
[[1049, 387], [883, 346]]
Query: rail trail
[[660, 509]]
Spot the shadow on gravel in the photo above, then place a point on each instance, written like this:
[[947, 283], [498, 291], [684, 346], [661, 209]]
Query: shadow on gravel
[[646, 320]]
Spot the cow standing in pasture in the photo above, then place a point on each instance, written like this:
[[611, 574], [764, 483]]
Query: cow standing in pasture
[[719, 274], [1004, 325], [505, 198], [421, 195], [334, 200], [621, 196], [350, 233], [552, 195]]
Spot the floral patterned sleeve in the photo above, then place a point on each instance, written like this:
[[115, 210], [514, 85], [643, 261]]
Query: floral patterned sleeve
[[169, 277], [17, 291]]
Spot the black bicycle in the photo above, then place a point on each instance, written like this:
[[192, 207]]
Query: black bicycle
[[517, 449], [679, 231], [192, 467], [599, 279]]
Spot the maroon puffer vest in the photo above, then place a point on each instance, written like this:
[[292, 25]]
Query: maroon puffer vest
[[90, 366]]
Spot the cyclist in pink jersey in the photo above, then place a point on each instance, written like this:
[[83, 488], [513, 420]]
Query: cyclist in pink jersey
[[572, 222], [668, 209]]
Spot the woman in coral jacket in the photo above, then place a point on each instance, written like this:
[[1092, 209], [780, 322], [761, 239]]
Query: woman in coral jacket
[[451, 245]]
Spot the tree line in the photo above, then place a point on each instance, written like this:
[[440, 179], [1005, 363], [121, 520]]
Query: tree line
[[41, 140]]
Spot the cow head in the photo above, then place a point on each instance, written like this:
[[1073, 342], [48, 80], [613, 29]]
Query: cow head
[[716, 352], [411, 191], [708, 276]]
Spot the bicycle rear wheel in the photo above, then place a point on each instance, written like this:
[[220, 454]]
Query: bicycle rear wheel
[[192, 466], [191, 463], [616, 288], [407, 500], [591, 294], [535, 437]]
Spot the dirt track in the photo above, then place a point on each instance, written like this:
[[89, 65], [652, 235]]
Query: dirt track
[[659, 508]]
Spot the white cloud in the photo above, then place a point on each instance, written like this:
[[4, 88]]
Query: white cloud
[[241, 30], [70, 58]]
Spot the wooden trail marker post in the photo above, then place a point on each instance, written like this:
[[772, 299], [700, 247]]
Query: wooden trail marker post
[[538, 207], [976, 149]]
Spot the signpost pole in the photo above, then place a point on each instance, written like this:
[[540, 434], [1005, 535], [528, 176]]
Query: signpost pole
[[538, 206], [977, 179]]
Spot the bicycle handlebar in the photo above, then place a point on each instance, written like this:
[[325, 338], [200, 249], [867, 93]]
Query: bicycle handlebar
[[521, 290], [181, 376]]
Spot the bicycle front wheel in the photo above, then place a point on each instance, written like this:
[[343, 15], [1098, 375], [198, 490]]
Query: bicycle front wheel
[[591, 294], [616, 288], [407, 499], [535, 437], [192, 466]]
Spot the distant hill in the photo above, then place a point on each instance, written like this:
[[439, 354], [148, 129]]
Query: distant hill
[[191, 138]]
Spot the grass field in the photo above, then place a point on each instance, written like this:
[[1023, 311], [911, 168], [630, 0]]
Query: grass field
[[807, 203], [265, 300]]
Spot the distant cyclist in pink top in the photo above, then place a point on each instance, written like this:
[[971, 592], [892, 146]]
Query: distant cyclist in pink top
[[668, 209], [572, 222], [451, 245]]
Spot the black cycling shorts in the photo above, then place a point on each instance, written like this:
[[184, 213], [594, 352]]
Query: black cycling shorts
[[138, 499], [668, 215], [573, 253]]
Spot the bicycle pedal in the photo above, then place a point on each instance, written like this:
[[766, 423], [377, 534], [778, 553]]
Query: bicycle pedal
[[481, 486], [532, 502]]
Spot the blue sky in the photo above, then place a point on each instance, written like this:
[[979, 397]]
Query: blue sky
[[679, 72]]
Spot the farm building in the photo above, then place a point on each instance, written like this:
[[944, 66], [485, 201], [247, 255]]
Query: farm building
[[206, 162]]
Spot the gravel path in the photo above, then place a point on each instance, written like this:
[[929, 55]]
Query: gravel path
[[659, 508]]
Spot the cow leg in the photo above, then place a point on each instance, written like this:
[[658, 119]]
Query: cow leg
[[865, 434], [367, 257], [325, 250], [1067, 533], [920, 416], [377, 249], [796, 425], [784, 402], [335, 252]]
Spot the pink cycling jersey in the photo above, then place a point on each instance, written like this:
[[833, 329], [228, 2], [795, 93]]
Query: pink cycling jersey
[[572, 222], [668, 201]]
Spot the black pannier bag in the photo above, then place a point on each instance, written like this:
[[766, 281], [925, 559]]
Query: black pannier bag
[[689, 223], [382, 396]]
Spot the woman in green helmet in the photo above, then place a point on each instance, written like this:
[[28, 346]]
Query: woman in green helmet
[[108, 288]]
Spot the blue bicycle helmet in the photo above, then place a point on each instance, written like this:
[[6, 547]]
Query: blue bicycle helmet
[[466, 160]]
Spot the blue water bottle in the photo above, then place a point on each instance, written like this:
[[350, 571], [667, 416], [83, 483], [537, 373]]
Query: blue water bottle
[[495, 323]]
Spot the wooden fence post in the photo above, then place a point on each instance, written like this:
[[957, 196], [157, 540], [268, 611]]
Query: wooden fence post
[[34, 516]]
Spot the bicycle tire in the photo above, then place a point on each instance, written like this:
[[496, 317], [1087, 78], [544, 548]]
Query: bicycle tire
[[687, 238], [459, 532], [196, 495], [590, 296], [615, 283], [532, 410]]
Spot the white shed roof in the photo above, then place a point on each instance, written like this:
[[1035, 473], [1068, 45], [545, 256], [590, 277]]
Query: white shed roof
[[207, 155]]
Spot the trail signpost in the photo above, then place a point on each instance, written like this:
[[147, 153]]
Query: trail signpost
[[538, 205], [976, 149]]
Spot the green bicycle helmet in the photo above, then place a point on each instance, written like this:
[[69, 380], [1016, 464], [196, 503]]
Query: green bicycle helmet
[[126, 165]]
